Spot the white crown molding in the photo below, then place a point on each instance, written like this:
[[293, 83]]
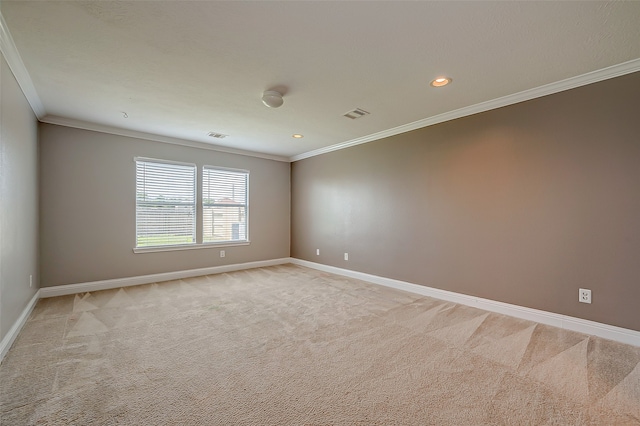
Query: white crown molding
[[13, 332], [85, 125], [526, 95], [13, 58], [619, 334], [63, 290]]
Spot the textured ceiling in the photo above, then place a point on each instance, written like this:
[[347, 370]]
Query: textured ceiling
[[182, 69]]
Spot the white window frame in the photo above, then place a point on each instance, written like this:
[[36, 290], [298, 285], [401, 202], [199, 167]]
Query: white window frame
[[246, 173], [163, 247], [198, 215]]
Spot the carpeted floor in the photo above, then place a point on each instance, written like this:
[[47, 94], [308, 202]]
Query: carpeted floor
[[287, 345]]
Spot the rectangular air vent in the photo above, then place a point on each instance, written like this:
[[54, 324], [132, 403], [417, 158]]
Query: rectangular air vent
[[356, 113], [217, 135]]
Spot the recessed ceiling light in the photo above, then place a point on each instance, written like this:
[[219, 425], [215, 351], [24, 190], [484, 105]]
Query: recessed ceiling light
[[441, 81], [297, 136]]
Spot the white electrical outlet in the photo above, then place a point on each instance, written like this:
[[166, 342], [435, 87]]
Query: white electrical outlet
[[584, 295], [317, 252], [30, 280], [222, 253], [346, 256]]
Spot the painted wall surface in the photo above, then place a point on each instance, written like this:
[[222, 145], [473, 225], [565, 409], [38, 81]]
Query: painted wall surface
[[524, 204], [18, 200], [88, 207]]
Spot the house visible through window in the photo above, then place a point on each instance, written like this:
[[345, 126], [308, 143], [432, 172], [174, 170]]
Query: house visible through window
[[224, 205], [165, 203]]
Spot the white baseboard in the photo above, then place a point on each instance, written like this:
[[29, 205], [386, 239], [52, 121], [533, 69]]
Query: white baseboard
[[606, 331], [623, 335], [17, 326], [63, 290]]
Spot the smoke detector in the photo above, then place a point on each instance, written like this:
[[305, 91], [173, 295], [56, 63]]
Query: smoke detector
[[272, 99]]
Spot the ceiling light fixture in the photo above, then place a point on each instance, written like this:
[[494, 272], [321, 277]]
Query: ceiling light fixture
[[441, 81], [297, 136], [272, 99]]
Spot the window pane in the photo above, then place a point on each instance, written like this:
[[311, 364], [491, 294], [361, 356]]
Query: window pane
[[225, 205], [165, 203]]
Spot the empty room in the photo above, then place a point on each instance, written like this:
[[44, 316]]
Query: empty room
[[319, 213]]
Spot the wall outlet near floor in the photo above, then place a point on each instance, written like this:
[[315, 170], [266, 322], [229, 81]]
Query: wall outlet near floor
[[30, 280], [346, 256], [317, 252], [222, 253], [584, 295]]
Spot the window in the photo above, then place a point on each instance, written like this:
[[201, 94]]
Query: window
[[224, 205], [165, 203], [166, 206]]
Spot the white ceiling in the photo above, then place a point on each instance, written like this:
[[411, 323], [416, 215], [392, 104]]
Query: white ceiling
[[181, 69]]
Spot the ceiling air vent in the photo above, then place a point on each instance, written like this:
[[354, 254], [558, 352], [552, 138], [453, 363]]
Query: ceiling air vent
[[356, 113], [217, 135]]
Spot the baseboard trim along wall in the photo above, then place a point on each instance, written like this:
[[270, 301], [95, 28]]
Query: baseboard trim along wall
[[63, 290], [8, 340], [623, 335], [619, 334]]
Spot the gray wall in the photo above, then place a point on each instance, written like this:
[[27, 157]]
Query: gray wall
[[87, 214], [524, 204], [18, 200]]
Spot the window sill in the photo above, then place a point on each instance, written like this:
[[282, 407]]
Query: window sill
[[188, 247]]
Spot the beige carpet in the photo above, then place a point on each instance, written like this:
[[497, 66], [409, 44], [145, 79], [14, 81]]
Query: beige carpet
[[288, 345]]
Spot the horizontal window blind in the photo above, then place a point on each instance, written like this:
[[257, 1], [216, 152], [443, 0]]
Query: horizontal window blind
[[165, 203], [224, 205]]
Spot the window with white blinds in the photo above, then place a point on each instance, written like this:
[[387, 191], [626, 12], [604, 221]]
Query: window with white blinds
[[165, 203], [224, 205]]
